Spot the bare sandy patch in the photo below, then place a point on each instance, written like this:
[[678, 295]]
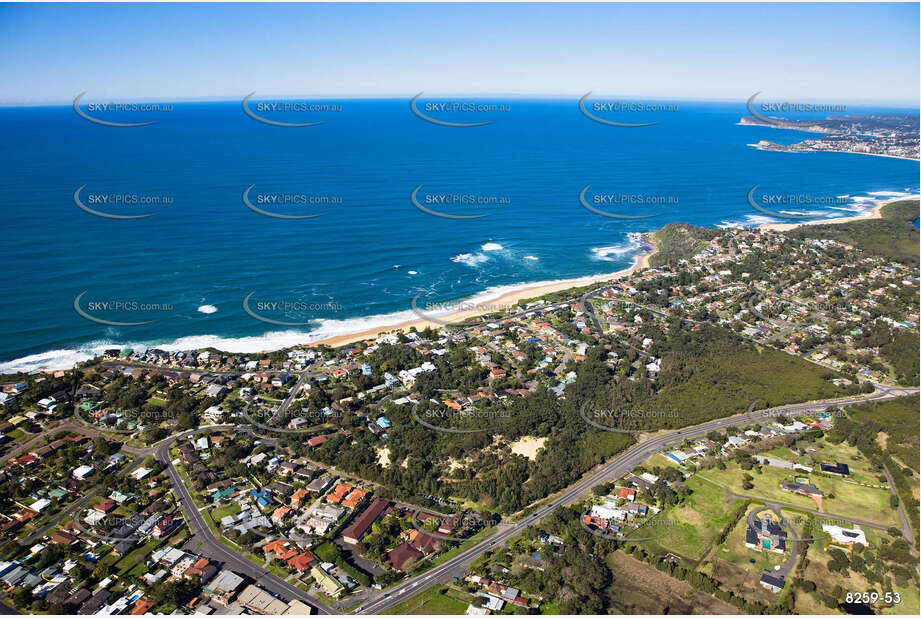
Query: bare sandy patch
[[383, 456], [882, 438], [528, 446]]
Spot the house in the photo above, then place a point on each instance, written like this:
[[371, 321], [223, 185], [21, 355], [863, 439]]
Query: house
[[82, 472], [330, 584], [354, 498], [837, 468], [63, 538], [402, 555], [426, 543], [281, 514], [843, 538], [281, 549], [93, 603], [202, 569], [320, 484], [805, 489], [258, 600], [317, 441], [448, 524], [301, 563], [316, 526], [297, 498], [282, 489], [215, 390], [224, 586], [338, 493], [329, 513], [143, 606], [106, 506], [765, 535], [363, 522], [262, 497], [772, 581], [164, 527]]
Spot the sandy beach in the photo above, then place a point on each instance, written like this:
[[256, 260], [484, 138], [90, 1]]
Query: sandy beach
[[876, 214], [508, 299]]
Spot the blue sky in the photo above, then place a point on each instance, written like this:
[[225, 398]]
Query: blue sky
[[802, 52]]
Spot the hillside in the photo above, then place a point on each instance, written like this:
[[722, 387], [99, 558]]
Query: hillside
[[678, 241], [893, 237]]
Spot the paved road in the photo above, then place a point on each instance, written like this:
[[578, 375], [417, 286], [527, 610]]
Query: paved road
[[619, 466], [906, 527], [68, 427], [772, 502], [76, 506], [292, 394], [213, 548]]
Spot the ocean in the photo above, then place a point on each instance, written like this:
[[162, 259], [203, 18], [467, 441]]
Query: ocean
[[180, 276]]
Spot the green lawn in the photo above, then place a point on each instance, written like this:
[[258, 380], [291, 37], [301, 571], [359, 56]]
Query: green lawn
[[695, 524], [855, 501], [430, 601], [223, 511], [734, 550]]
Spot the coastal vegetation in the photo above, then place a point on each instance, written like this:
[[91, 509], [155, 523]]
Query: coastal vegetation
[[707, 372], [893, 236], [887, 433], [679, 241]]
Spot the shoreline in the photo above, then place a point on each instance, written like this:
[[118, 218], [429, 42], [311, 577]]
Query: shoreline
[[807, 151], [482, 306], [467, 308], [877, 213], [503, 301]]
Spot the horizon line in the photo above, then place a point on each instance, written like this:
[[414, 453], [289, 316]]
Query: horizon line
[[915, 106]]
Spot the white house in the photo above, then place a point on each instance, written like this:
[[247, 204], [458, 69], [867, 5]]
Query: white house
[[82, 472]]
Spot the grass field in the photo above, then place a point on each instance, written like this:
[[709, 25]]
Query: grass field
[[854, 501], [641, 589], [695, 524], [223, 511], [434, 600], [734, 551]]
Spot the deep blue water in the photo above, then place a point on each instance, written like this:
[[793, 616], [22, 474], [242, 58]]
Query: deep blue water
[[207, 248]]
